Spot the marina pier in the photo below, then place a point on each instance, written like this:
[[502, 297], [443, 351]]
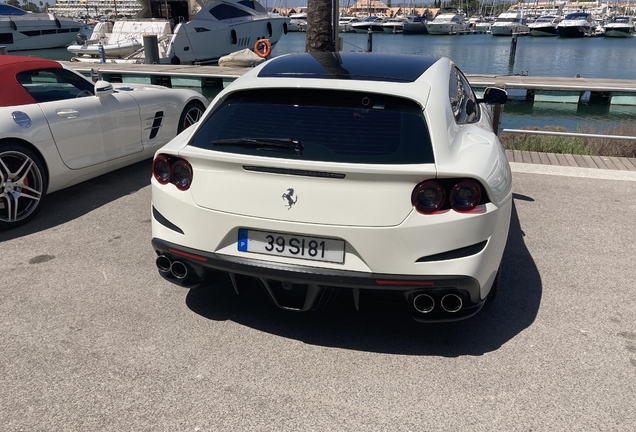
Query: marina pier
[[573, 90]]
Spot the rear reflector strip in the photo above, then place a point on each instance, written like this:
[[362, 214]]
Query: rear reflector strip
[[187, 255], [404, 282]]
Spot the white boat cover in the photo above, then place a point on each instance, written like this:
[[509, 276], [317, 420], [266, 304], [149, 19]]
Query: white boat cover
[[243, 58]]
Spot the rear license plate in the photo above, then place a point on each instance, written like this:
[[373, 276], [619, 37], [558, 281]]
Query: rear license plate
[[291, 245]]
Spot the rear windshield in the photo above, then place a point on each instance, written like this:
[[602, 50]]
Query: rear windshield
[[331, 126]]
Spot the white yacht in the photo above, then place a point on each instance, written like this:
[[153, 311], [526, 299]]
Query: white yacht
[[298, 22], [394, 25], [447, 23], [121, 38], [577, 24], [20, 30], [371, 23], [220, 27], [619, 26], [545, 25], [345, 22], [479, 24], [415, 25], [508, 23]]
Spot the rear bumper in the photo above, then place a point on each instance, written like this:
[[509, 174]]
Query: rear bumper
[[303, 288]]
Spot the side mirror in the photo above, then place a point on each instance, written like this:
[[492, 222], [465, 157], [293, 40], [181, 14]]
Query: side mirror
[[103, 88], [494, 96]]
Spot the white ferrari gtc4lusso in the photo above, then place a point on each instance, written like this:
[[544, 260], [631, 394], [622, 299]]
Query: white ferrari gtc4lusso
[[358, 174], [58, 128]]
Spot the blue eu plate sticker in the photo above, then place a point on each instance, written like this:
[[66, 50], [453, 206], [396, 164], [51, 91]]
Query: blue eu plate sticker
[[242, 240]]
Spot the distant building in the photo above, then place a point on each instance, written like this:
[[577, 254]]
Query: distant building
[[95, 8]]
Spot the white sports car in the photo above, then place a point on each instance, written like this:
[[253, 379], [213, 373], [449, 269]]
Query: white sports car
[[352, 173], [58, 128]]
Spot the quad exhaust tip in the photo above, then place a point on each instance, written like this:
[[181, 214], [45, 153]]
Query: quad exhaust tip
[[176, 268], [451, 303], [424, 303], [163, 263]]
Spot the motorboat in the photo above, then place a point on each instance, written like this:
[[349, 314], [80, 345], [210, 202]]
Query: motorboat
[[297, 22], [619, 26], [415, 25], [577, 24], [120, 38], [545, 25], [447, 23], [508, 23], [394, 25], [21, 30], [371, 24], [219, 28], [479, 24], [345, 22]]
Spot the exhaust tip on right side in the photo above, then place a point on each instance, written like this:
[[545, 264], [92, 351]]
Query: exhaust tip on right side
[[451, 303]]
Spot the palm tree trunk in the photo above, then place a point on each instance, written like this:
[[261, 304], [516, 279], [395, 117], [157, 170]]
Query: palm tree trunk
[[319, 27]]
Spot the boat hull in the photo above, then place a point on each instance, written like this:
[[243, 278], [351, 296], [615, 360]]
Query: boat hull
[[190, 45], [573, 31], [110, 51], [543, 31], [37, 31], [619, 32], [445, 29], [373, 28]]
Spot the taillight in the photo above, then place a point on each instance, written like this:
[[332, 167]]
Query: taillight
[[461, 195], [181, 174], [465, 195], [428, 197], [161, 169], [168, 169]]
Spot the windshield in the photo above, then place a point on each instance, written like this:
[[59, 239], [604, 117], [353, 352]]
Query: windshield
[[319, 125]]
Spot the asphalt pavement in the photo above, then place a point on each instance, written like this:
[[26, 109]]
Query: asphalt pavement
[[94, 340]]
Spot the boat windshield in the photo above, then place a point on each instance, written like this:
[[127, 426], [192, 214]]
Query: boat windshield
[[577, 16]]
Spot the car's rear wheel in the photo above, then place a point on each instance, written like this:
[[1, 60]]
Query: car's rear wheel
[[191, 114], [22, 185]]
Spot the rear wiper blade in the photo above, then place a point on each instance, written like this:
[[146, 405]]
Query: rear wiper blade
[[286, 143]]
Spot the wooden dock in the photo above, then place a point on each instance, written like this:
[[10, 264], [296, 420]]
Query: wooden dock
[[544, 89], [220, 76]]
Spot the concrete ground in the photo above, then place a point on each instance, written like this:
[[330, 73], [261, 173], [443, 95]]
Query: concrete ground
[[94, 340]]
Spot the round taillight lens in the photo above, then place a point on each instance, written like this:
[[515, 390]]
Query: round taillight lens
[[181, 172], [428, 197], [161, 169], [465, 196]]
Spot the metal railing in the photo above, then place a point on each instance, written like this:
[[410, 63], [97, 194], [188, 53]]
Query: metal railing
[[569, 134]]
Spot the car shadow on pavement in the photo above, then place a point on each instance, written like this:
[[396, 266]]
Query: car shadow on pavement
[[68, 204], [386, 327]]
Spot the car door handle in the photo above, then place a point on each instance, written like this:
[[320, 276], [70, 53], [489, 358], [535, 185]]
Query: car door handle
[[67, 113]]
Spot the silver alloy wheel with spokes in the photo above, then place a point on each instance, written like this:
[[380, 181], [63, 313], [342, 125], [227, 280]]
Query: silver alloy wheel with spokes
[[21, 186], [191, 114]]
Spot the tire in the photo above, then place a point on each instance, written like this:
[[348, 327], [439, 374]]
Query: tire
[[191, 114], [494, 289], [23, 184]]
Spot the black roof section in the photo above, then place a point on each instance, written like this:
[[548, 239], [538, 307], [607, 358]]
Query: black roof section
[[353, 66]]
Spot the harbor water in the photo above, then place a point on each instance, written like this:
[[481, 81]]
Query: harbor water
[[595, 57]]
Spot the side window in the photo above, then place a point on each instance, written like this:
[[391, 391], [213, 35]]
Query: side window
[[462, 98], [48, 85]]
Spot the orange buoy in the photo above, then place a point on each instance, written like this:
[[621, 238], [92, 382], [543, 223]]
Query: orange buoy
[[263, 48]]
